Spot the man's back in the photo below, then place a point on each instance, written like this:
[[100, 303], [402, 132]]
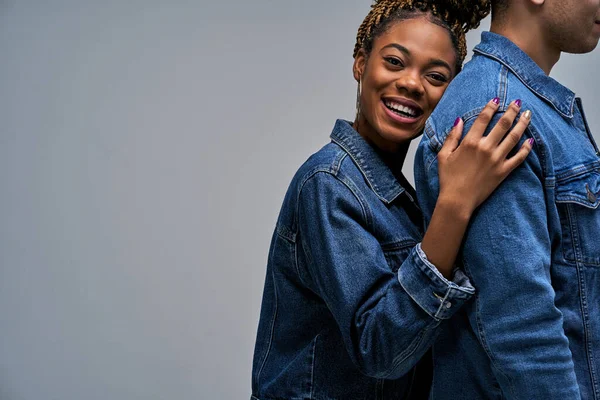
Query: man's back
[[532, 250]]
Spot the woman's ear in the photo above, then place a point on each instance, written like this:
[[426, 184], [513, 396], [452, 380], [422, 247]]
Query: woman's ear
[[359, 65]]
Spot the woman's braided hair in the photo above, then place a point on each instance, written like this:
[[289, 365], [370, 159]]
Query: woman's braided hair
[[458, 16]]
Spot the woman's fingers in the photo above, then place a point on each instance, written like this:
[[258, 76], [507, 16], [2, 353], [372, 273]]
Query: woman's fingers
[[481, 123], [504, 124], [518, 158], [451, 142], [513, 137]]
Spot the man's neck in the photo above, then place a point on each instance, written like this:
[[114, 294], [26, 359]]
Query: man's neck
[[529, 38]]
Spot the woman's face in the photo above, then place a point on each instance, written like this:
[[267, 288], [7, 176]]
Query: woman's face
[[402, 80]]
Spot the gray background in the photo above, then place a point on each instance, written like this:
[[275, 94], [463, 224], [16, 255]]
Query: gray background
[[145, 147]]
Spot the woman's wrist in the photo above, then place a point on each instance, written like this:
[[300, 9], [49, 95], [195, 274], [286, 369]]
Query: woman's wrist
[[455, 207]]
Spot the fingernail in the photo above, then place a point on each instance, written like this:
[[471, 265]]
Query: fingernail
[[456, 121], [527, 114], [531, 142], [518, 102], [496, 100]]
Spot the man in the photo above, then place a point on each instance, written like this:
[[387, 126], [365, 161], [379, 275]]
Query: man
[[533, 249]]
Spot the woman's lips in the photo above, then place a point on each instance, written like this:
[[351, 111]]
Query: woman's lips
[[401, 118]]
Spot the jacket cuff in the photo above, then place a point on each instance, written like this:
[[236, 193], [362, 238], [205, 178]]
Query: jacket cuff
[[437, 296]]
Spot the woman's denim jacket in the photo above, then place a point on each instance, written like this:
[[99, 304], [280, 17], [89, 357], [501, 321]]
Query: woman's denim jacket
[[532, 251], [350, 301]]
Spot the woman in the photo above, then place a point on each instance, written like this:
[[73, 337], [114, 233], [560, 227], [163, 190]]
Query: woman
[[354, 291]]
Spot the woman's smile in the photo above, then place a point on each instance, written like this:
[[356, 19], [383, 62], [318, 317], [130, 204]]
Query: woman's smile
[[401, 110]]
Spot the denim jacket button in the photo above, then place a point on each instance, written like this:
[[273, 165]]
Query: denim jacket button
[[448, 305], [591, 196]]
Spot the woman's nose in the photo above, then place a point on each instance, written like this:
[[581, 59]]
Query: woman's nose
[[410, 82]]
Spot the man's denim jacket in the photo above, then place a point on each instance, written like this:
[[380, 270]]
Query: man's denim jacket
[[350, 301], [532, 250]]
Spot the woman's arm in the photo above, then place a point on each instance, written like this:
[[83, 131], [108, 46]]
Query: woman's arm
[[388, 320], [468, 174]]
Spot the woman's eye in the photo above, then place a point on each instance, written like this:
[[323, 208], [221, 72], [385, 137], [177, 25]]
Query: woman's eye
[[439, 78], [394, 61]]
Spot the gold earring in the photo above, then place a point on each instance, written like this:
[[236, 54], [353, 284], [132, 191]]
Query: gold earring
[[358, 91]]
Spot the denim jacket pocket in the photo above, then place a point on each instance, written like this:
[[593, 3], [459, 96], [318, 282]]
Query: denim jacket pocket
[[578, 201]]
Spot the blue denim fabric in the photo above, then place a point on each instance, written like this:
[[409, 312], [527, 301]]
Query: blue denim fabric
[[350, 302], [532, 250]]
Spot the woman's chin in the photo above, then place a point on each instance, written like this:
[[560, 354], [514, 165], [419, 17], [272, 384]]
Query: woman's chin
[[400, 136]]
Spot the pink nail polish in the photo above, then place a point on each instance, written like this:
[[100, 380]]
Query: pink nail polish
[[518, 102], [496, 100], [531, 141], [456, 121]]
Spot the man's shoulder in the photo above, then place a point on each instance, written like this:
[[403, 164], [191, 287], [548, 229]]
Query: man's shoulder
[[467, 95], [471, 89]]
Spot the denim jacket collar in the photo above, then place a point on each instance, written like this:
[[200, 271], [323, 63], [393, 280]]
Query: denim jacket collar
[[510, 55], [378, 175]]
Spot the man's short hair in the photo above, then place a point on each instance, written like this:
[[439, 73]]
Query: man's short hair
[[499, 7]]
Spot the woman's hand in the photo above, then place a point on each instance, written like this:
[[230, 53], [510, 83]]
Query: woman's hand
[[468, 174], [470, 171]]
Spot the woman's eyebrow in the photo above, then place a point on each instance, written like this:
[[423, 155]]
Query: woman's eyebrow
[[398, 47], [436, 62], [433, 62]]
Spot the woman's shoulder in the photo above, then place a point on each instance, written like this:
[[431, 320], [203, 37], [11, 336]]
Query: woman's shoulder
[[319, 173], [331, 163]]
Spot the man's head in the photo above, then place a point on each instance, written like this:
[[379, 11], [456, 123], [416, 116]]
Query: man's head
[[571, 26]]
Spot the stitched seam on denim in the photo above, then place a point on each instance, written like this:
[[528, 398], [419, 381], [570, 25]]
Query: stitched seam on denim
[[297, 263], [412, 297], [268, 350], [329, 167], [416, 302], [412, 347], [337, 163], [398, 245], [358, 163], [285, 233], [576, 238], [312, 368], [569, 233], [430, 164], [367, 175], [433, 143], [583, 169], [574, 232], [539, 150], [503, 84], [586, 327], [587, 127], [338, 179], [456, 292], [577, 200], [464, 293], [366, 211], [306, 178], [578, 257], [518, 76], [482, 336], [442, 304]]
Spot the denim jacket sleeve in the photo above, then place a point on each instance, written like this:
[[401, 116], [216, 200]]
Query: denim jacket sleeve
[[388, 320], [506, 254]]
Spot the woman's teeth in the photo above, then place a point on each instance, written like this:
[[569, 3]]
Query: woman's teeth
[[401, 110]]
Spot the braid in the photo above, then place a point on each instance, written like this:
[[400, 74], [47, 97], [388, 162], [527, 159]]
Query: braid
[[458, 16]]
